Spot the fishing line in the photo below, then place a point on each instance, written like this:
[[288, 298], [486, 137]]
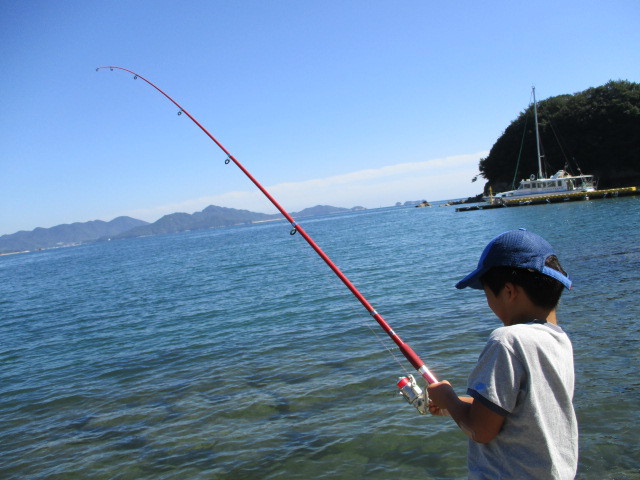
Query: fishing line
[[407, 385], [386, 347], [332, 287]]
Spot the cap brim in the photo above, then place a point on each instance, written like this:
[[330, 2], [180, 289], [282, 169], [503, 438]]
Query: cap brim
[[472, 280], [550, 272]]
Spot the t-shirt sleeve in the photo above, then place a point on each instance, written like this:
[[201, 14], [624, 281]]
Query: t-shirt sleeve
[[497, 378]]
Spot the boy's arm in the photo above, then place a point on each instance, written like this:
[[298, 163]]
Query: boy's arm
[[473, 418]]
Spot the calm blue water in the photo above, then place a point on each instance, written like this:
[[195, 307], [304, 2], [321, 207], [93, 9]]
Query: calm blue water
[[236, 353]]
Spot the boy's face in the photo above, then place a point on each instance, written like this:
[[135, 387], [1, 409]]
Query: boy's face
[[497, 304]]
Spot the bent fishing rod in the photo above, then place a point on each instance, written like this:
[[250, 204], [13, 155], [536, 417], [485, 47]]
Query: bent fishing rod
[[407, 385]]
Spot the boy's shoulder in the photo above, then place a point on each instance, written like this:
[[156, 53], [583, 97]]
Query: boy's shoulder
[[525, 332]]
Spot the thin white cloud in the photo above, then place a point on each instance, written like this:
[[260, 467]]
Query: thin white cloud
[[436, 179]]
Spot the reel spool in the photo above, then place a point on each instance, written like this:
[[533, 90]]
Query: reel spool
[[413, 394]]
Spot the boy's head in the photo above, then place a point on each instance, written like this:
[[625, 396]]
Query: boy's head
[[523, 258]]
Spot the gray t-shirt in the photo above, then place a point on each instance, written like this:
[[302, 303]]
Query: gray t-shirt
[[525, 373]]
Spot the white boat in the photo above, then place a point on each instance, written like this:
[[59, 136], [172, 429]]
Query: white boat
[[538, 186]]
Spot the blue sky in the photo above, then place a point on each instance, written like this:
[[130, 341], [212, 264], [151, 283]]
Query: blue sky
[[325, 102]]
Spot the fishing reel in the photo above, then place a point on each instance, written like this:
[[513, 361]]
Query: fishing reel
[[413, 394]]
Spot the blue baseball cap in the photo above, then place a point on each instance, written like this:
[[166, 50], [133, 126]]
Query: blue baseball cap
[[516, 248]]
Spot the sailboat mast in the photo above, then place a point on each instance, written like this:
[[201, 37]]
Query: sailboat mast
[[535, 117]]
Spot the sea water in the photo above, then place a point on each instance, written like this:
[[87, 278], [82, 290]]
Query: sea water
[[237, 353]]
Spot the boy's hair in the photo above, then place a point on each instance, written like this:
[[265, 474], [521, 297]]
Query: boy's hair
[[543, 290]]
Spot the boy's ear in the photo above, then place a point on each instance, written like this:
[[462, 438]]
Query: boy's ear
[[511, 290]]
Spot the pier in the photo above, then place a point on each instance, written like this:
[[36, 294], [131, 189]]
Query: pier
[[552, 198]]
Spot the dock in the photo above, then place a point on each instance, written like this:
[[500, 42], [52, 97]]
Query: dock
[[553, 198]]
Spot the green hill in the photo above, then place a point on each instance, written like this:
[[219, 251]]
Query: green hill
[[596, 131]]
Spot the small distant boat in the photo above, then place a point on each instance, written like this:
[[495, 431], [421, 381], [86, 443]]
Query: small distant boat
[[536, 186]]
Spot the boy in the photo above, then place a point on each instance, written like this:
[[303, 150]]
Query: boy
[[519, 415]]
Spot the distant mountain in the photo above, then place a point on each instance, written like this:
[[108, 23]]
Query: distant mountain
[[323, 210], [67, 234], [215, 217], [127, 227], [210, 217]]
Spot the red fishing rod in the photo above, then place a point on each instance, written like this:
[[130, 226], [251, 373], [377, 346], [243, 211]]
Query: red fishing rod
[[408, 386]]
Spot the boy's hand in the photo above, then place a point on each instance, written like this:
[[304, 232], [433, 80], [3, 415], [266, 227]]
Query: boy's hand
[[439, 393], [435, 410]]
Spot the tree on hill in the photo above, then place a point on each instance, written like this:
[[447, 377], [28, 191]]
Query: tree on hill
[[596, 132]]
